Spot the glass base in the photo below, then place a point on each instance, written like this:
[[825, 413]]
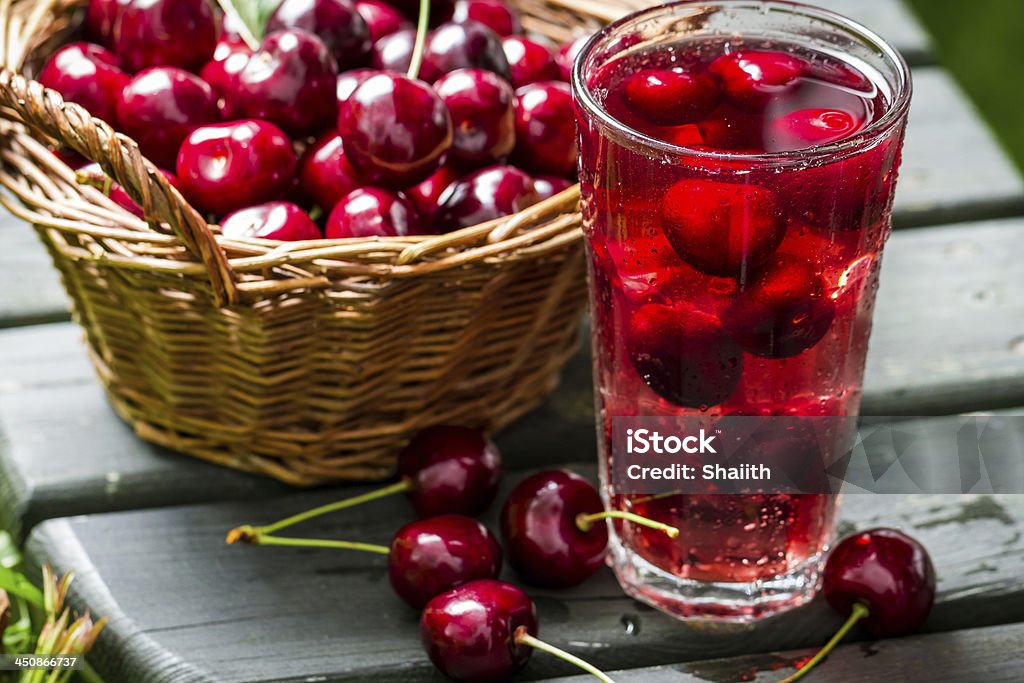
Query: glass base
[[716, 601]]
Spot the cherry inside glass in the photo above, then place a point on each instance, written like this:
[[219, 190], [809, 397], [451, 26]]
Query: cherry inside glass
[[737, 166]]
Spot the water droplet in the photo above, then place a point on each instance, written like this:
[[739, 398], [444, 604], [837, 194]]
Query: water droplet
[[631, 623]]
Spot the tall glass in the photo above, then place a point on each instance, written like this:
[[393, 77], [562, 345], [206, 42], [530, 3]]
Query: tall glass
[[733, 269]]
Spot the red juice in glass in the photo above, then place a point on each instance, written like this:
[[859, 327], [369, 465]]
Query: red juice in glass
[[737, 166]]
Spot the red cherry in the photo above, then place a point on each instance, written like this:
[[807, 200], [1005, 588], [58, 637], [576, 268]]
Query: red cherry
[[489, 193], [87, 75], [92, 174], [99, 21], [529, 61], [372, 212], [469, 45], [290, 81], [496, 15], [161, 106], [887, 571], [180, 33], [480, 104], [469, 633], [381, 18], [538, 527], [750, 77], [723, 229], [440, 10], [325, 176], [431, 556], [229, 58], [783, 312], [396, 130], [228, 166], [350, 80], [667, 97], [426, 195], [335, 22], [450, 470], [683, 355], [394, 52], [545, 129], [271, 221], [567, 55], [549, 186], [810, 127]]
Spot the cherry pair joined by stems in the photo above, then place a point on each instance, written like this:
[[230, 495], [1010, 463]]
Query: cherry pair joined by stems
[[882, 579]]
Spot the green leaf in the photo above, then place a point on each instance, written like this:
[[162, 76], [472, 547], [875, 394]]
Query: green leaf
[[254, 15], [16, 584]]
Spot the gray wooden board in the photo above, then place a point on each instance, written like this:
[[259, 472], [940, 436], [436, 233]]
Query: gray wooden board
[[993, 654], [949, 337], [186, 607], [953, 170], [892, 20]]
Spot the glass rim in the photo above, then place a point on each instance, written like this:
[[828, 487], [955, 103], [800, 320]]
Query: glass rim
[[896, 112]]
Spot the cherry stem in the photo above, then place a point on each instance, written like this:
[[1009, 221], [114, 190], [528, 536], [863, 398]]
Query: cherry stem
[[249, 534], [860, 610], [421, 40], [523, 637], [321, 543], [584, 522], [244, 32], [104, 185]]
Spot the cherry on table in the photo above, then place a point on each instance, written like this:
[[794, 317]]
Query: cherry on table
[[382, 18], [469, 45], [683, 354], [426, 195], [723, 229], [180, 33], [335, 22], [160, 106], [484, 631], [545, 130], [372, 212], [393, 52], [750, 77], [290, 81], [781, 312], [567, 55], [227, 166], [480, 104], [809, 127], [325, 176], [431, 556], [548, 186], [529, 61], [491, 192], [229, 58], [271, 221], [496, 15], [87, 75], [396, 130], [671, 97]]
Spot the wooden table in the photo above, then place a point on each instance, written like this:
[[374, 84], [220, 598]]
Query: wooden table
[[143, 527]]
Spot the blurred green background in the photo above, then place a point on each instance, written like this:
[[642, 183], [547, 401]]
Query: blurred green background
[[982, 43]]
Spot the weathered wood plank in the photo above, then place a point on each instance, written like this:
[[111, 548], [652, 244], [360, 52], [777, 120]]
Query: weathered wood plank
[[953, 170], [945, 341], [990, 654], [179, 597], [892, 20]]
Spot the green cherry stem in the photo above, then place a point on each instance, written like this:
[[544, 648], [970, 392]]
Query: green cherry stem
[[584, 522], [251, 534], [860, 610], [321, 543], [421, 40], [244, 30], [523, 637]]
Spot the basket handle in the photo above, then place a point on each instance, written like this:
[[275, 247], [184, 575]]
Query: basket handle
[[45, 111]]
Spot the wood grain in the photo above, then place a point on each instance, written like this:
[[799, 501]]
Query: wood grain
[[182, 602]]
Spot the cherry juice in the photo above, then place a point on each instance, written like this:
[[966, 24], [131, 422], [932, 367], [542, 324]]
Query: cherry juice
[[737, 196]]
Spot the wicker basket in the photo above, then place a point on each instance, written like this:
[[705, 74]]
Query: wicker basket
[[309, 362]]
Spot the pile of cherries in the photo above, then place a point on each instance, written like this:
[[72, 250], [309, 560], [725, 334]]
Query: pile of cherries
[[339, 114], [475, 627]]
